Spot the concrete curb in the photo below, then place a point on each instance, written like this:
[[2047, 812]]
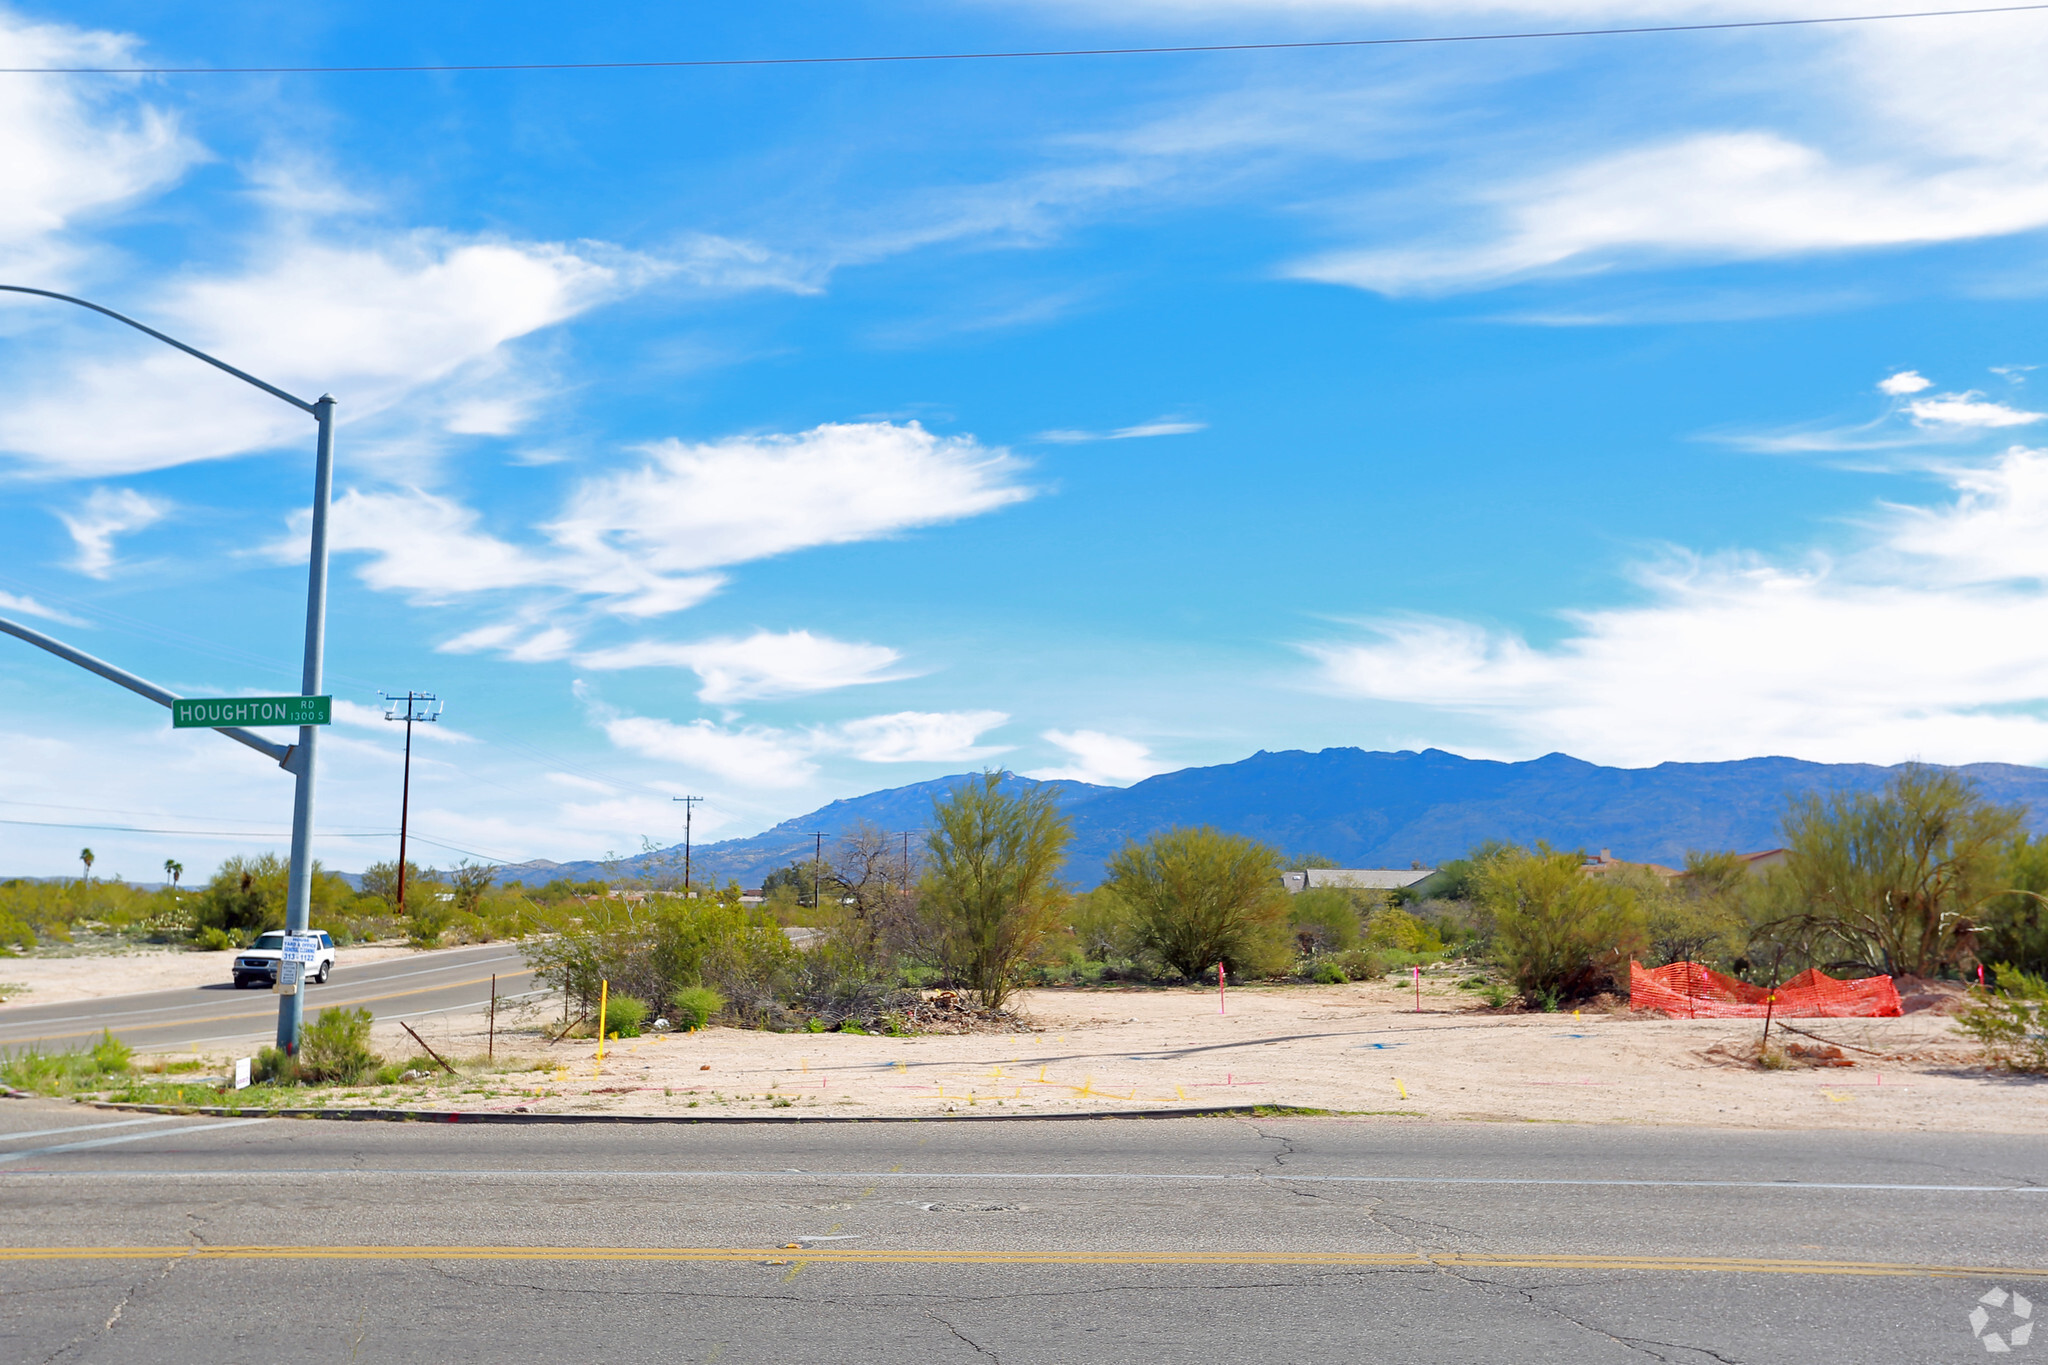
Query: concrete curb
[[469, 1116]]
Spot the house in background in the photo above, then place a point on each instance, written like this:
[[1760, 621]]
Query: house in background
[[1604, 863], [1356, 878]]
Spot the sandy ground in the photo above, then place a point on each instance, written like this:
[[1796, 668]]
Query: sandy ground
[[92, 975], [1358, 1049]]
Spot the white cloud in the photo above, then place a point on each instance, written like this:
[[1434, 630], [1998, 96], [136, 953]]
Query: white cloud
[[696, 506], [1968, 410], [761, 666], [28, 606], [106, 514], [917, 737], [372, 324], [770, 757], [1905, 382], [640, 542], [751, 756], [1930, 642], [1107, 760], [73, 146]]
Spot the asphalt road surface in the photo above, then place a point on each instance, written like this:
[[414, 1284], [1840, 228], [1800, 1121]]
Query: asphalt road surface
[[216, 1015], [1024, 1243]]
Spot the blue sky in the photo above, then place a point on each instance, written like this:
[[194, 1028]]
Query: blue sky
[[778, 434]]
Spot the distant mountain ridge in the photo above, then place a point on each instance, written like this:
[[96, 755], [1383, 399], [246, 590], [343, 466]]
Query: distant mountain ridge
[[1367, 808]]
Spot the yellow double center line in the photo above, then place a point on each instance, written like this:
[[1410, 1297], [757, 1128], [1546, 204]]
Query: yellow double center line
[[783, 1255]]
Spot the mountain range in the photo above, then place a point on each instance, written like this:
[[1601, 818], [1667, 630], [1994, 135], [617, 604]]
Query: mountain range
[[1364, 808]]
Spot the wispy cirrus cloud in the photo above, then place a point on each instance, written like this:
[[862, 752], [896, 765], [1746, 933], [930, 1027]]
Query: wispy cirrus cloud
[[1911, 418], [1158, 426], [106, 514], [760, 666]]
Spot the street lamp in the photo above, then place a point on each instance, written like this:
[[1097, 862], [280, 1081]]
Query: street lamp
[[298, 759]]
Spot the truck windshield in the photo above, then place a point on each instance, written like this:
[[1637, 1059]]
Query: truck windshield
[[274, 942]]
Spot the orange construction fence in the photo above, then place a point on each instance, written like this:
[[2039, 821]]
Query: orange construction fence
[[1687, 990]]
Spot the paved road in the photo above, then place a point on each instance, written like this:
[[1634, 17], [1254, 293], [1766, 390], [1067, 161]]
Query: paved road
[[1034, 1243], [216, 1015]]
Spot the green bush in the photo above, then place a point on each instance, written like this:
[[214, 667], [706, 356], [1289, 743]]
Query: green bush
[[271, 1066], [214, 940], [1558, 933], [1198, 897], [1361, 964], [1396, 929], [1328, 973], [15, 935], [335, 1047], [111, 1056], [696, 1006], [623, 1016], [1323, 920], [2007, 1021]]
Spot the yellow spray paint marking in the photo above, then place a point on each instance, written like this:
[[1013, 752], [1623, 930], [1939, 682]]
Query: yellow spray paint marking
[[1041, 1075], [1400, 1087], [901, 1067], [1837, 1099], [805, 1062]]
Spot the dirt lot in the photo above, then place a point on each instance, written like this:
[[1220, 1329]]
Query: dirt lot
[[1359, 1049]]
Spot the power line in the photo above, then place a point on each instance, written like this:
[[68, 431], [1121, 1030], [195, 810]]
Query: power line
[[1021, 54]]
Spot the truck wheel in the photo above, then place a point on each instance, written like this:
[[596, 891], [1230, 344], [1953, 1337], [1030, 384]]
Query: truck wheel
[[325, 968]]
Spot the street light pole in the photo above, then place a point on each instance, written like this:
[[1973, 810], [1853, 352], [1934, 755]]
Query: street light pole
[[299, 759]]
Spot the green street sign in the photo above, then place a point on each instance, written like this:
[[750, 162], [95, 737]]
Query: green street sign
[[208, 713]]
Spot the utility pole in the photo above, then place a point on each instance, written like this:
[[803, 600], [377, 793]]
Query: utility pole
[[420, 706], [817, 868], [689, 804]]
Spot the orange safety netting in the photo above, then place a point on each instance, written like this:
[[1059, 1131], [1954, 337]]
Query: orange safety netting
[[1687, 990]]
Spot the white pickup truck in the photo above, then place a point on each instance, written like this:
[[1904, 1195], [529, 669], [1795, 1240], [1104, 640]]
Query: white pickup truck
[[256, 965]]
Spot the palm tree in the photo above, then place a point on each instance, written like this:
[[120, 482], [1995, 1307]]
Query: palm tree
[[85, 856], [174, 870]]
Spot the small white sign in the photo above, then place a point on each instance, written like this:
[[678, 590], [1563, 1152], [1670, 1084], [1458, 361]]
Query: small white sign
[[301, 947], [288, 974], [241, 1073]]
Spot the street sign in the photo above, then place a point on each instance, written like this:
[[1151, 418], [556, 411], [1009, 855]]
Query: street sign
[[207, 713], [301, 947]]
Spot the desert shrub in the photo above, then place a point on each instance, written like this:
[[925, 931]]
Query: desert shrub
[[272, 1066], [2012, 928], [1558, 934], [623, 1016], [1328, 973], [2007, 1021], [426, 920], [647, 949], [1361, 964], [1321, 920], [695, 1007], [1889, 881], [215, 940], [1396, 930], [15, 935], [988, 896], [334, 1047], [1197, 897], [111, 1056]]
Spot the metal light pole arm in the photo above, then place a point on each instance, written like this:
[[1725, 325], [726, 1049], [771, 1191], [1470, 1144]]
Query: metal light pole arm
[[193, 351], [281, 754]]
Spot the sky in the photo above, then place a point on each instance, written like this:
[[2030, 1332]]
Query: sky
[[775, 434]]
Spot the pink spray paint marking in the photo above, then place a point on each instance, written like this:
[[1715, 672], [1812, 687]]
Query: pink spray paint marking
[[1219, 989]]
